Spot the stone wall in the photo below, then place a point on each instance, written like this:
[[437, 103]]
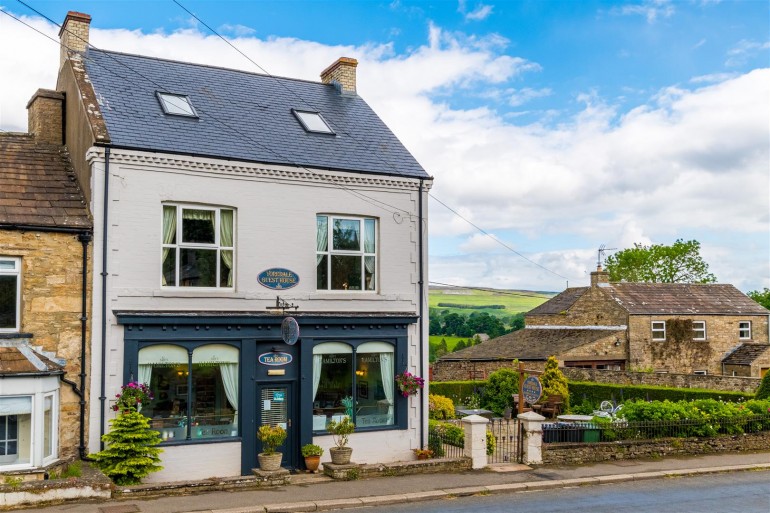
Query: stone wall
[[687, 355], [578, 454], [729, 383], [51, 302]]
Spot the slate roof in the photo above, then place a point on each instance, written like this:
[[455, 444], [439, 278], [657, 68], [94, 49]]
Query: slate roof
[[532, 344], [745, 354], [684, 298], [242, 116], [24, 360], [663, 299], [38, 186]]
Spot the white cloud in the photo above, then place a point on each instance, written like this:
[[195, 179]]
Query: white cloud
[[522, 96], [236, 30], [690, 160], [652, 10], [743, 50], [481, 11]]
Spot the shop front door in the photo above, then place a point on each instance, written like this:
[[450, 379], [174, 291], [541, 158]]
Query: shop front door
[[276, 406]]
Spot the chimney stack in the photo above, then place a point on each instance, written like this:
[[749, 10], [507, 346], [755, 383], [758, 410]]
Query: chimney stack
[[600, 278], [45, 116], [342, 74], [73, 34]]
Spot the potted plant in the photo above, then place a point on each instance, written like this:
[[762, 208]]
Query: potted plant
[[341, 431], [271, 438], [423, 454], [409, 384], [312, 454]]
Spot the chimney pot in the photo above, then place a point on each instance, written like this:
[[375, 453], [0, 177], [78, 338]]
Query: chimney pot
[[342, 74], [45, 116], [73, 35]]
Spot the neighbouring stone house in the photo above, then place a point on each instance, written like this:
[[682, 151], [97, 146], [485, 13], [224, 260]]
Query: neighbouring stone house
[[665, 327], [45, 234], [261, 256]]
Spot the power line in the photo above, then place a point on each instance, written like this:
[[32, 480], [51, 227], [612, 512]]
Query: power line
[[376, 153]]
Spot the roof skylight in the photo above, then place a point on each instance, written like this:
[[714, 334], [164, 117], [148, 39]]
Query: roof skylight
[[313, 122], [176, 104]]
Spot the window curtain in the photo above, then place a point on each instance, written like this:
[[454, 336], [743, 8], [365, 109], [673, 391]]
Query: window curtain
[[145, 373], [322, 236], [229, 373], [169, 231], [199, 215], [369, 240], [388, 378], [317, 363], [15, 405], [226, 240]]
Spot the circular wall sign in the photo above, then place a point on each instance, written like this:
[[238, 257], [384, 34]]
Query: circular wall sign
[[290, 330], [532, 390]]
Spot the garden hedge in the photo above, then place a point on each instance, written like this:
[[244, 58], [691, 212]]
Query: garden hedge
[[457, 391]]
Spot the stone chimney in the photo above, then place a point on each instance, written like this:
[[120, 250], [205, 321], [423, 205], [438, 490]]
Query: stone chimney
[[45, 114], [600, 278], [342, 74], [73, 35]]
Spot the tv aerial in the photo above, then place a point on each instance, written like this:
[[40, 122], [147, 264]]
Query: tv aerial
[[600, 257]]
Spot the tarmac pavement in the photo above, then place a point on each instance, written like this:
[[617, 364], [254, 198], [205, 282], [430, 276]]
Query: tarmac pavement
[[321, 494]]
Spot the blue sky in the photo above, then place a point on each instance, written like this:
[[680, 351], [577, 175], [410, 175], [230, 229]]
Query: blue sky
[[557, 126]]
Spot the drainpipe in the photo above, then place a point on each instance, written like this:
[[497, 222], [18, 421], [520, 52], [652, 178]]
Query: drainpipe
[[422, 310], [103, 370]]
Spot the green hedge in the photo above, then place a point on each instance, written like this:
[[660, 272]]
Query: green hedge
[[457, 391], [584, 392]]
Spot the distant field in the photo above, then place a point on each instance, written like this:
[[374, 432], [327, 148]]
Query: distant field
[[512, 302], [451, 342]]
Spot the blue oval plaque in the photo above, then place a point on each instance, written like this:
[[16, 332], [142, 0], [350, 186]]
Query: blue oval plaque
[[275, 359], [278, 278], [531, 389]]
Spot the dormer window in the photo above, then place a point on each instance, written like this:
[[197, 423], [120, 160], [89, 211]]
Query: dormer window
[[176, 104], [313, 122]]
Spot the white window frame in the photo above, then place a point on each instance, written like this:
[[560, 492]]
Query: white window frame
[[179, 244], [32, 433], [330, 251], [175, 104], [700, 372], [744, 330], [54, 428], [697, 331], [16, 271], [657, 330]]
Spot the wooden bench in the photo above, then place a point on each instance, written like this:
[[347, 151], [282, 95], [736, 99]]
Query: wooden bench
[[552, 406]]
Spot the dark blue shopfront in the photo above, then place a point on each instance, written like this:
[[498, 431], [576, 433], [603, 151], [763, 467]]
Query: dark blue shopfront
[[217, 377]]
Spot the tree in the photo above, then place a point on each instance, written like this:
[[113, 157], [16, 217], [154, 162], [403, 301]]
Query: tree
[[434, 326], [501, 386], [454, 324], [131, 453], [679, 263], [763, 392], [460, 345], [763, 298], [554, 382]]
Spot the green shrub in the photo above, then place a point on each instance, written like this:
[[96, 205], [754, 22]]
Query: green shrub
[[457, 391], [491, 443], [309, 450], [449, 434], [440, 407], [554, 382], [130, 454], [271, 437], [501, 385], [763, 392]]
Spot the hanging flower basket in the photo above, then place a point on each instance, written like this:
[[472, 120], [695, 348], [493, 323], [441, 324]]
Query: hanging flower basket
[[408, 383], [131, 396]]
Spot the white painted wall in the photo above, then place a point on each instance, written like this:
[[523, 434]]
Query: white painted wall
[[276, 211], [198, 461]]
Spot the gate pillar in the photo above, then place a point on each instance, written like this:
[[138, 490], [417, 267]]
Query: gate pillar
[[533, 437], [475, 427]]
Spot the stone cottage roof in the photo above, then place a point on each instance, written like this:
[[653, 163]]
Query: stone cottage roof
[[23, 359], [663, 299], [240, 115], [745, 354], [532, 344], [38, 187]]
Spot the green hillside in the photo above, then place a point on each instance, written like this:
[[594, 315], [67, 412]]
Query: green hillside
[[512, 301]]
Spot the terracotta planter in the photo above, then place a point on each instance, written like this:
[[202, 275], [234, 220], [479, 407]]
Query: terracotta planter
[[270, 462], [312, 462], [341, 455]]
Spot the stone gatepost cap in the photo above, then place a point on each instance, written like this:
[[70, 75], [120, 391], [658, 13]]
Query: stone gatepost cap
[[475, 419], [530, 415]]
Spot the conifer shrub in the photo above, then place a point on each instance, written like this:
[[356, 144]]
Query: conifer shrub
[[131, 453], [554, 382], [763, 392]]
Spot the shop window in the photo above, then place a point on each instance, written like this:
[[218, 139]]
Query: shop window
[[198, 247], [658, 330], [744, 330], [346, 253], [195, 395], [15, 431], [359, 384], [10, 293]]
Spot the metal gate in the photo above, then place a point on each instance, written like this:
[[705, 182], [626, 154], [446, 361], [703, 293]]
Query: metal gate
[[508, 441]]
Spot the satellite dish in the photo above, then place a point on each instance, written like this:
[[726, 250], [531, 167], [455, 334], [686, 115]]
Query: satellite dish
[[290, 330]]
